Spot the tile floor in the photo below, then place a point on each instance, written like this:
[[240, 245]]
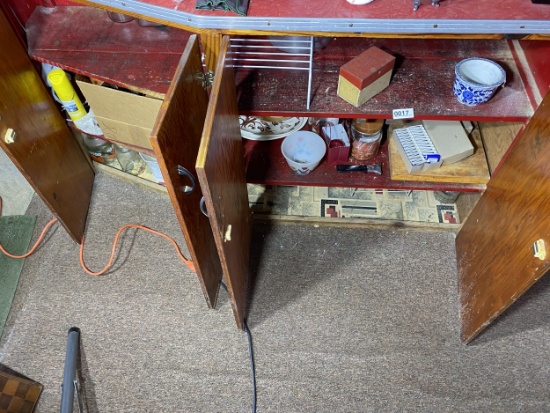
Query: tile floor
[[343, 203], [15, 191], [351, 203]]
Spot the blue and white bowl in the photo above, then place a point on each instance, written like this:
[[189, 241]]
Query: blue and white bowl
[[476, 80]]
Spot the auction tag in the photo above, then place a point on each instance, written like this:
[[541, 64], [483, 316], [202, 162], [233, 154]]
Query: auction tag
[[407, 113]]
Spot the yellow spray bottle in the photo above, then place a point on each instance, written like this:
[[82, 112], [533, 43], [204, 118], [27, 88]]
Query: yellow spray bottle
[[66, 94]]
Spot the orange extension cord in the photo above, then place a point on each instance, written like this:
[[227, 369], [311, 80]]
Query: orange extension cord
[[113, 250], [187, 262]]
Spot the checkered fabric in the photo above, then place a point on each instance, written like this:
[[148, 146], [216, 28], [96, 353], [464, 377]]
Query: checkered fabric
[[18, 394]]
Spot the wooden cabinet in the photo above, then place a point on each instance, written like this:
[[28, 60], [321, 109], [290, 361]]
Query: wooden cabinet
[[42, 146], [207, 143], [176, 140], [201, 134]]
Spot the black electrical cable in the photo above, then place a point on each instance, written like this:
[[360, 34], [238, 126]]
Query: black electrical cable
[[251, 355], [252, 368]]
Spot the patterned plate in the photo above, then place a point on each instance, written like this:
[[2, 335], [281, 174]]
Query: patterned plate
[[266, 129]]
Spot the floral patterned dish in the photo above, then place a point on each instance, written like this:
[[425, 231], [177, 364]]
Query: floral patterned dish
[[269, 128]]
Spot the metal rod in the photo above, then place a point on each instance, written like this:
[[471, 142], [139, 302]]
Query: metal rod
[[249, 59], [272, 40], [265, 46], [310, 74], [69, 374], [270, 67], [269, 53]]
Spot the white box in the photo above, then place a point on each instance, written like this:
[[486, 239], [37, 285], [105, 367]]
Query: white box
[[416, 149]]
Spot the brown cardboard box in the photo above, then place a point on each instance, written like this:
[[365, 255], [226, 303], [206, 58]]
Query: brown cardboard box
[[124, 117], [365, 76], [450, 140]]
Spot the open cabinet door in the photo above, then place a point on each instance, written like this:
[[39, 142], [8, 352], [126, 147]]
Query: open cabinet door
[[176, 138], [495, 257], [43, 148], [221, 171]]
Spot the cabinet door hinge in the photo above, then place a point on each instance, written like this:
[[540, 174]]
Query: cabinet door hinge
[[207, 79]]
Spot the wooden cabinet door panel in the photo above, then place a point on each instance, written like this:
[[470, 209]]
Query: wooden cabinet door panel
[[44, 150], [176, 139], [495, 258], [221, 172]]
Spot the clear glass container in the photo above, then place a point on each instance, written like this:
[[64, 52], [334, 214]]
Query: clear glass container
[[366, 135], [128, 159], [99, 149]]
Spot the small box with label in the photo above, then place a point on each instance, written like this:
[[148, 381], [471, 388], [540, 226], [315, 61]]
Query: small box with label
[[365, 76], [417, 150]]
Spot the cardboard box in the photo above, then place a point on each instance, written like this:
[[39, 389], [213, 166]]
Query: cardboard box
[[365, 76], [124, 117], [450, 140]]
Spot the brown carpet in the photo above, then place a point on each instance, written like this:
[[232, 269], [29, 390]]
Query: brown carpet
[[343, 320]]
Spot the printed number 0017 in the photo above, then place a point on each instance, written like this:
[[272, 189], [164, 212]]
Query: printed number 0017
[[403, 113]]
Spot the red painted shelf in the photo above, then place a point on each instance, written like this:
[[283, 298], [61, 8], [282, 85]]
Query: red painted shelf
[[266, 165], [422, 79], [84, 40]]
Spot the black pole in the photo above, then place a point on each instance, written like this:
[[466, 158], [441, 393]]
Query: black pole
[[69, 375]]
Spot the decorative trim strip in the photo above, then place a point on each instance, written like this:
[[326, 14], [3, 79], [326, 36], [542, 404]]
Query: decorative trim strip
[[378, 26]]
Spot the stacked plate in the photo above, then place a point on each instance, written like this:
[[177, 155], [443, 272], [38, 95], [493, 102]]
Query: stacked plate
[[268, 128]]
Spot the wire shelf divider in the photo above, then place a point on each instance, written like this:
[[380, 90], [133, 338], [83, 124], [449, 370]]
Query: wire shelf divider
[[273, 53]]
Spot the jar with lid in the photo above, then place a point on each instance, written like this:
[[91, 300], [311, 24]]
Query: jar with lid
[[366, 135], [128, 159], [99, 149]]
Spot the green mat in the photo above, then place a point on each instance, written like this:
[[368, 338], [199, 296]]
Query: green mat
[[15, 236]]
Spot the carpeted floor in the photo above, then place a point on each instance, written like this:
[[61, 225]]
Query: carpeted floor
[[343, 320]]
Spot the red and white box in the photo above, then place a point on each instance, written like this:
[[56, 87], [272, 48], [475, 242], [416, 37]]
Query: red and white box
[[365, 76]]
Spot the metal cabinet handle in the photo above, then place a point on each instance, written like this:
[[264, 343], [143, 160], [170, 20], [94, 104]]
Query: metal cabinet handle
[[202, 206], [184, 172]]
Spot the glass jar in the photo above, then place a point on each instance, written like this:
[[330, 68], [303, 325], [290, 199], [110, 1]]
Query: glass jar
[[128, 159], [366, 135], [99, 149], [317, 124]]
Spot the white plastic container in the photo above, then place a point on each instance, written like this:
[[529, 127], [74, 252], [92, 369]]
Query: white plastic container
[[151, 161], [303, 150]]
